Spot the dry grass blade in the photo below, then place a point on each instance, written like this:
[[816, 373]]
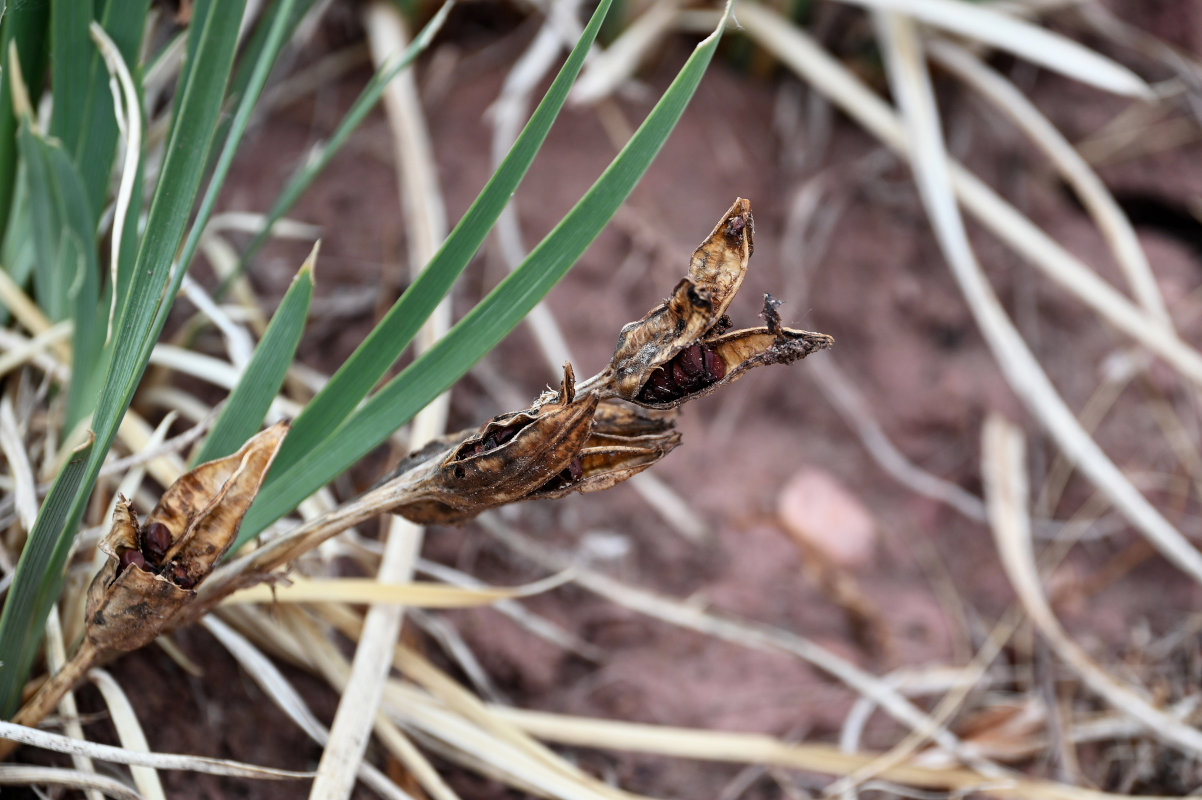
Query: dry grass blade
[[746, 634], [369, 591], [16, 350], [752, 748], [119, 755], [129, 731], [1036, 44], [799, 51], [23, 775], [538, 625], [460, 738], [1097, 199], [1006, 493], [25, 493], [423, 206], [129, 120], [418, 669], [911, 84], [56, 657], [277, 687]]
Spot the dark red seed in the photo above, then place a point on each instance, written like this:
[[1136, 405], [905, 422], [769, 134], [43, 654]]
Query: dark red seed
[[132, 557], [736, 225], [691, 361], [156, 541], [659, 386], [180, 577], [681, 378], [505, 434], [715, 367], [575, 469]]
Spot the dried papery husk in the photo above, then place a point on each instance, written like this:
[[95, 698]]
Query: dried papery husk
[[128, 606], [204, 508], [507, 459], [606, 460], [719, 265], [697, 305], [623, 419], [134, 597], [663, 332], [732, 354]]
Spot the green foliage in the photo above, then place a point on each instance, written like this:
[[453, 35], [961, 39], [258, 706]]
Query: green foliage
[[53, 218]]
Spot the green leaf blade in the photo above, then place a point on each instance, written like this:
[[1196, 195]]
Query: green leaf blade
[[248, 403], [213, 38], [494, 317], [380, 350]]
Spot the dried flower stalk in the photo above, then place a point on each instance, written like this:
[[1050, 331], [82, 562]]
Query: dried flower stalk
[[575, 439]]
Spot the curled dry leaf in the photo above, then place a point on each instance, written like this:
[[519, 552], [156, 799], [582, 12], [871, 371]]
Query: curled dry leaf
[[153, 568], [508, 458]]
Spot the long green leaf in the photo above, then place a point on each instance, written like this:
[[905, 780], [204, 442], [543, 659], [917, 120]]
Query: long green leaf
[[497, 314], [25, 26], [79, 260], [39, 573], [247, 404], [70, 50], [281, 24], [49, 283], [380, 350], [95, 149]]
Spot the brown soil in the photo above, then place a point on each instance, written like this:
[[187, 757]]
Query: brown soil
[[904, 337]]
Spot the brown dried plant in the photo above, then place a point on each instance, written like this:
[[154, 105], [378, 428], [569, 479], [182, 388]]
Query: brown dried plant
[[586, 438]]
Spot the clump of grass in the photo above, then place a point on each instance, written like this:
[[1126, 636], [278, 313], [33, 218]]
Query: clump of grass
[[81, 334]]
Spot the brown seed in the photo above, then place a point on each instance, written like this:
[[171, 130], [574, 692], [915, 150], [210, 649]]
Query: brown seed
[[156, 541], [575, 469], [715, 368], [132, 557], [178, 574], [691, 361]]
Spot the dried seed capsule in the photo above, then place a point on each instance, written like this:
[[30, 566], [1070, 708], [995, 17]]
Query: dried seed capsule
[[696, 309], [625, 440], [127, 608], [510, 458]]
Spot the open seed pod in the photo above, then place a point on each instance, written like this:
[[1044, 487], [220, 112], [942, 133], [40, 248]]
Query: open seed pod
[[508, 458], [724, 359], [624, 441], [152, 569], [697, 304]]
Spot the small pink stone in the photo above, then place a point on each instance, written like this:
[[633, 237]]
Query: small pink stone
[[823, 513]]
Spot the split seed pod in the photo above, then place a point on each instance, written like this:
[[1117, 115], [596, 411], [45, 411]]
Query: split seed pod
[[152, 569], [726, 358], [508, 458], [696, 307], [625, 440]]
